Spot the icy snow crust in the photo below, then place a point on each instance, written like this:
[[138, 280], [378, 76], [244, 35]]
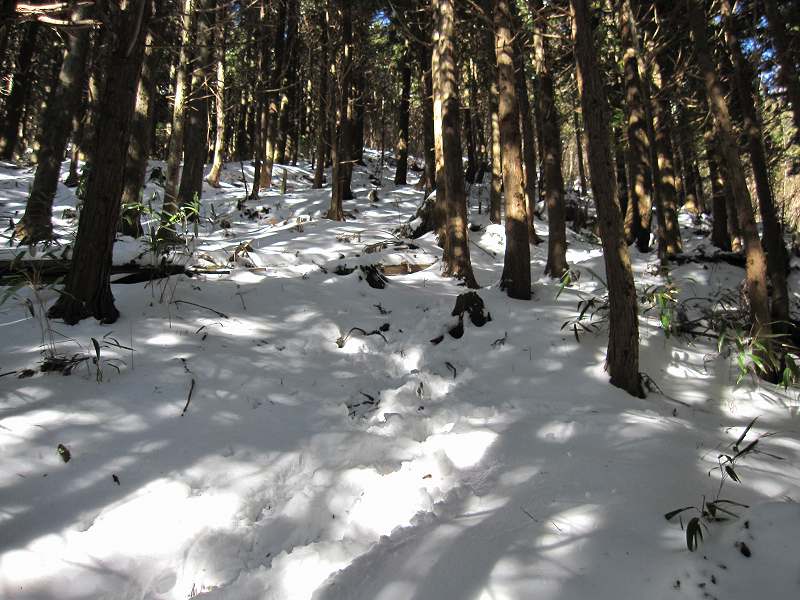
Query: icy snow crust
[[498, 465]]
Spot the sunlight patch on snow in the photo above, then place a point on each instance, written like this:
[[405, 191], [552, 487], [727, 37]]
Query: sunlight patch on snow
[[164, 339], [568, 528], [466, 449]]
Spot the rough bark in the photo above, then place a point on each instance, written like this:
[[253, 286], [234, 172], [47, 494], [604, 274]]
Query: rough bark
[[773, 243], [36, 224], [550, 150], [139, 146], [20, 91], [756, 265], [516, 278], [87, 292], [401, 152], [219, 95], [456, 261], [321, 117], [622, 359]]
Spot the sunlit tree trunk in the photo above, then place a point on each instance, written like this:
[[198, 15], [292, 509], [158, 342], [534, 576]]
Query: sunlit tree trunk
[[516, 278], [219, 94], [456, 261]]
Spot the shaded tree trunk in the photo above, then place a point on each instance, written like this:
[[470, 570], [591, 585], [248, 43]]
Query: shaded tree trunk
[[756, 264], [36, 224], [139, 146], [20, 91], [87, 291], [321, 123], [550, 149], [777, 257], [622, 358], [401, 173]]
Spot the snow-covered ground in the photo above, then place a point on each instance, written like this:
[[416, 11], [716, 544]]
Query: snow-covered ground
[[315, 461]]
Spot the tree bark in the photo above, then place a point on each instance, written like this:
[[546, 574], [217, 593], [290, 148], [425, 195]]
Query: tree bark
[[777, 257], [219, 94], [36, 224], [516, 278], [87, 292], [20, 91], [401, 173], [343, 132], [139, 146], [756, 264], [456, 261], [551, 146], [176, 138], [321, 123], [622, 359]]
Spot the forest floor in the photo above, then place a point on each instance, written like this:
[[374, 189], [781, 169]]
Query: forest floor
[[239, 439]]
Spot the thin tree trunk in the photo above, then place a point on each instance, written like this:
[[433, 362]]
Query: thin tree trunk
[[456, 260], [36, 224], [20, 92], [777, 257], [322, 95], [622, 359], [219, 94], [516, 278], [401, 173], [640, 169], [176, 143], [139, 146], [756, 264], [719, 233], [788, 73], [87, 292], [550, 149]]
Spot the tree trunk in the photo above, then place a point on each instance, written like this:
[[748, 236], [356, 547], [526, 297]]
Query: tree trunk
[[516, 279], [321, 123], [139, 146], [528, 133], [786, 59], [343, 133], [36, 224], [777, 257], [719, 233], [640, 169], [622, 359], [426, 90], [496, 191], [87, 292], [579, 152], [401, 173], [176, 141], [456, 260], [20, 91], [195, 149], [551, 146], [219, 95], [756, 265]]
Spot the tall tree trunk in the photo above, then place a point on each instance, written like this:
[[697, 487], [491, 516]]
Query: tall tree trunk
[[496, 191], [176, 141], [322, 96], [692, 201], [139, 146], [670, 243], [640, 169], [622, 359], [756, 264], [195, 149], [516, 279], [401, 173], [551, 146], [20, 91], [528, 134], [576, 124], [456, 260], [719, 233], [773, 232], [219, 94], [87, 292], [787, 74], [343, 134], [36, 224]]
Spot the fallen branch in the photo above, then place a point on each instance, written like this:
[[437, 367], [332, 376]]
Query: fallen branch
[[189, 399], [214, 310]]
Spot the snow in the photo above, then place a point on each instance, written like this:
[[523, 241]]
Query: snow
[[498, 465]]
